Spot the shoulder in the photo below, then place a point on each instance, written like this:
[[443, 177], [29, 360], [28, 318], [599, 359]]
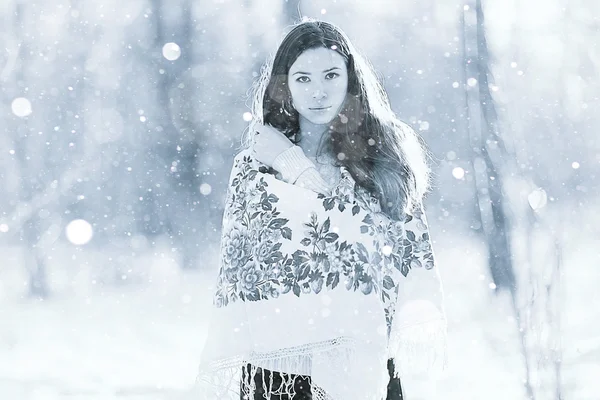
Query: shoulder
[[245, 152], [243, 156], [416, 219]]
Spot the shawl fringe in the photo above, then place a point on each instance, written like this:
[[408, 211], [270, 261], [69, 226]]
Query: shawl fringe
[[420, 348], [216, 380]]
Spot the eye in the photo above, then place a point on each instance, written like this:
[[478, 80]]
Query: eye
[[302, 77], [335, 75]]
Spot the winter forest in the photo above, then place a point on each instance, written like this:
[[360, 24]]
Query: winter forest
[[119, 121]]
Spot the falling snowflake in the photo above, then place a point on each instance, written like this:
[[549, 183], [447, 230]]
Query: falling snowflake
[[537, 199], [21, 107], [205, 189], [386, 250], [458, 173], [171, 51], [79, 232]]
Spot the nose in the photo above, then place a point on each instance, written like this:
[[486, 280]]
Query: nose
[[319, 94]]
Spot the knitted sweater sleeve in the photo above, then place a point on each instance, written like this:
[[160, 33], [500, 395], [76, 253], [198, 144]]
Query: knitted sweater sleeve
[[299, 170]]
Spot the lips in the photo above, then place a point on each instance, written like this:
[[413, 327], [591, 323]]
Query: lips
[[320, 108]]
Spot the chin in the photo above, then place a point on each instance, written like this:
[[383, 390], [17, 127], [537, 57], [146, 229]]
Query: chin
[[321, 119]]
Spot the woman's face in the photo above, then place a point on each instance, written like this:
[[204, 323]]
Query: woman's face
[[318, 82]]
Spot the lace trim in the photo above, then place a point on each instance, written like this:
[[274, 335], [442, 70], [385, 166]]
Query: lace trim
[[420, 348], [223, 380]]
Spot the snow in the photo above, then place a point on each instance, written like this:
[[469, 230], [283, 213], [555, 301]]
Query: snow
[[458, 173], [205, 189], [99, 100], [537, 199], [21, 107], [79, 232], [171, 51], [137, 341], [143, 341]]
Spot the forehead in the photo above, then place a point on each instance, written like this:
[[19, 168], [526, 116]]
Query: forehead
[[317, 60]]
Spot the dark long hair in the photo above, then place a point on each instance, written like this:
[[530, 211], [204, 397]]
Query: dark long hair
[[383, 154]]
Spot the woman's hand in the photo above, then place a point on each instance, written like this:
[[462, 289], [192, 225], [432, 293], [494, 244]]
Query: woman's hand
[[268, 144]]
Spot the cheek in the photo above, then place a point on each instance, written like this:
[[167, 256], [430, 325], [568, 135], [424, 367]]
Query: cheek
[[298, 96], [341, 89]]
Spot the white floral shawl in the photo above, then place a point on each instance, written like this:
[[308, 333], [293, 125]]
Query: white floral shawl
[[325, 286]]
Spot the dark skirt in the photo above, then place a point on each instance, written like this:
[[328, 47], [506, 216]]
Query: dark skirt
[[302, 384]]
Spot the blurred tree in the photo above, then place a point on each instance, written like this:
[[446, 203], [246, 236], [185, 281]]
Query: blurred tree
[[488, 149], [489, 159], [535, 297], [36, 144], [177, 145]]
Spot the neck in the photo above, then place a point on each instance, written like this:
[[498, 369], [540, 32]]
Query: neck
[[310, 136]]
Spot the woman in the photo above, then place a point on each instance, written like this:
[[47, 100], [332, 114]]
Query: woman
[[327, 279]]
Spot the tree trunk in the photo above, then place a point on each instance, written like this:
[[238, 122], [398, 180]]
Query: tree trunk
[[180, 143], [539, 316], [500, 255]]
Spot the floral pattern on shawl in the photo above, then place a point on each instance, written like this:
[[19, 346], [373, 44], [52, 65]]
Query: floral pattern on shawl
[[252, 266]]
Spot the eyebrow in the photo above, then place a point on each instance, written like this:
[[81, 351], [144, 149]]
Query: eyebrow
[[308, 73]]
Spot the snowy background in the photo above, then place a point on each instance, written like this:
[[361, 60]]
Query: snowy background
[[118, 125]]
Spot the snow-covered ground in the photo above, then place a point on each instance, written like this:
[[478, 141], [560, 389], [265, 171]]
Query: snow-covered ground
[[142, 340], [137, 341]]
